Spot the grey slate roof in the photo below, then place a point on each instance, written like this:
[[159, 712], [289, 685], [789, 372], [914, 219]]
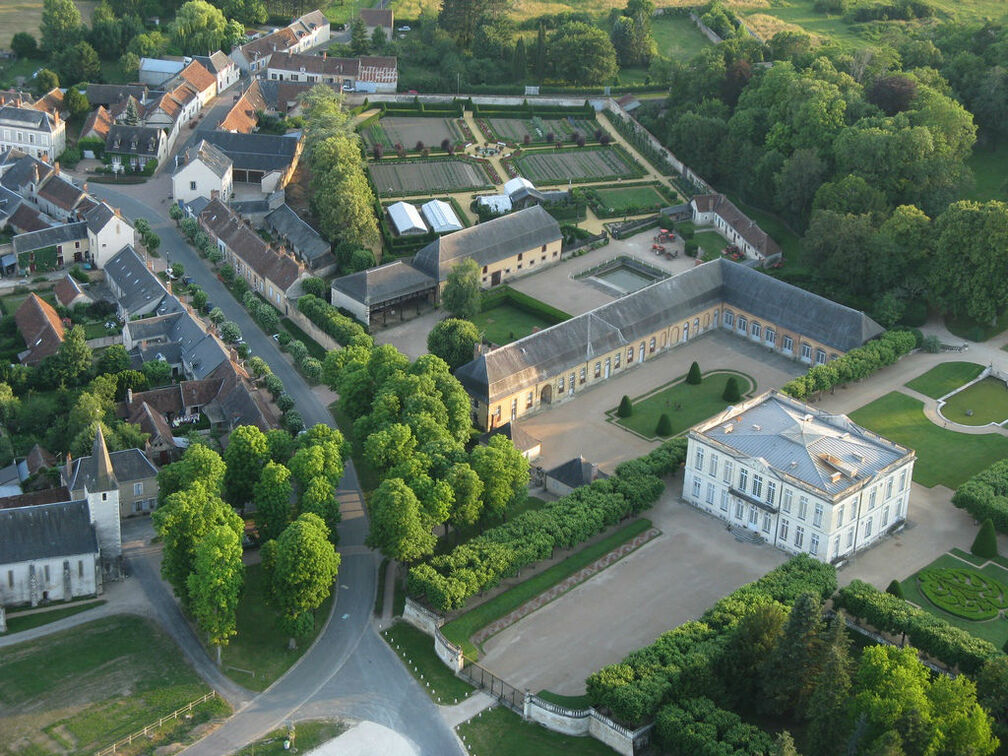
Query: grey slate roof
[[9, 202], [129, 465], [23, 171], [546, 353], [48, 237], [386, 282], [489, 242], [47, 530], [305, 240], [576, 472], [11, 115], [214, 63], [522, 441], [109, 94], [258, 152], [793, 438], [99, 216], [134, 140], [139, 286], [209, 155]]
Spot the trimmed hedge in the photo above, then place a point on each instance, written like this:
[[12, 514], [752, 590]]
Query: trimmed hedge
[[856, 364], [332, 322], [985, 496], [679, 664], [928, 633], [447, 581], [698, 726], [505, 294]]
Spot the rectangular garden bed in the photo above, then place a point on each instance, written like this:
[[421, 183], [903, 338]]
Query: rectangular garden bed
[[408, 131], [395, 178], [631, 199], [577, 164], [514, 130]]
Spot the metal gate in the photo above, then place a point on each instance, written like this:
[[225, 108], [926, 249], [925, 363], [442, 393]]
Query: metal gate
[[487, 681]]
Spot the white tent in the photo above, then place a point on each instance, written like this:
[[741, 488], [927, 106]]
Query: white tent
[[440, 216], [499, 204], [518, 182], [405, 219]]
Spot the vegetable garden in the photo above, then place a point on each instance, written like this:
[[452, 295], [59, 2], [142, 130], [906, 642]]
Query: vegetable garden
[[408, 131], [581, 164], [514, 130], [409, 177]]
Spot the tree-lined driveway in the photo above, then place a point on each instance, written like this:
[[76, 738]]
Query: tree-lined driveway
[[349, 672]]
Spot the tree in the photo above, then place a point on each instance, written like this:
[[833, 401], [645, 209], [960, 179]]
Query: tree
[[230, 332], [462, 295], [378, 40], [398, 529], [182, 521], [540, 57], [130, 64], [106, 33], [749, 644], [467, 504], [463, 18], [150, 45], [60, 28], [44, 81], [272, 497], [505, 475], [359, 43], [199, 298], [454, 340], [248, 12], [582, 54], [114, 359], [664, 427], [79, 62], [316, 286], [198, 463], [24, 45], [343, 198], [731, 392], [324, 117], [992, 691], [245, 457], [985, 543], [72, 361], [199, 27], [216, 316], [319, 497], [892, 94], [625, 407], [789, 670], [827, 709], [157, 372], [694, 377], [76, 102], [894, 589], [215, 585], [300, 567]]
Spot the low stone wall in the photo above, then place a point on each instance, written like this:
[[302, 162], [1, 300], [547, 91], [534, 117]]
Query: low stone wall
[[706, 30], [421, 617], [448, 652], [557, 718], [324, 339], [104, 341]]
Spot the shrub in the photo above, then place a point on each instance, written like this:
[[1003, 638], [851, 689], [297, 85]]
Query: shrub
[[311, 369], [625, 407], [985, 496], [664, 427], [691, 248], [895, 589], [985, 543], [931, 344], [285, 402], [731, 390], [330, 320], [694, 377], [273, 384], [696, 725]]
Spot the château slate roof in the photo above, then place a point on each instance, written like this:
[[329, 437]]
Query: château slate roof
[[576, 472], [45, 531], [386, 282], [305, 240], [546, 353]]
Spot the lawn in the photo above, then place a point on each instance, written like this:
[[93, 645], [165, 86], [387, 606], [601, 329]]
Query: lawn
[[81, 689], [639, 199], [686, 405], [500, 730], [507, 322], [416, 649], [260, 647], [16, 623], [990, 167], [944, 457], [982, 403], [965, 327], [944, 378], [462, 628], [994, 630], [711, 241], [678, 37], [307, 735]]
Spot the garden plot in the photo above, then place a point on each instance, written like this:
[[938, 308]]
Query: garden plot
[[514, 130], [546, 167], [401, 178], [410, 131]]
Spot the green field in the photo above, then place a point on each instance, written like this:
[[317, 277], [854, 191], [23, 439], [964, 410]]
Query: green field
[[994, 630], [941, 379], [506, 322], [16, 622], [416, 649], [677, 37], [944, 457], [711, 241], [990, 169], [619, 199], [987, 400], [685, 404], [81, 689], [260, 646], [501, 731]]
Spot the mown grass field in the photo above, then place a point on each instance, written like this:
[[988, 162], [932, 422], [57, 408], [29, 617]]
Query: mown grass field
[[26, 15], [416, 649], [619, 199], [986, 402], [678, 38], [505, 323], [17, 622], [990, 173], [500, 730], [941, 379]]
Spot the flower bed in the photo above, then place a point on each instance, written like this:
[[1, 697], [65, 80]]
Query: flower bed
[[963, 592]]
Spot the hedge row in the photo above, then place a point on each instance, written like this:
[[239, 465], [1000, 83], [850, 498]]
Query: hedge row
[[698, 726], [856, 364], [505, 294], [332, 322], [446, 582], [680, 663], [985, 495], [928, 633]]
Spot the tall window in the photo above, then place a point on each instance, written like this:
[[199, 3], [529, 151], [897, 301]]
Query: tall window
[[850, 538], [584, 375], [799, 536], [867, 527], [766, 522], [820, 357], [817, 515], [871, 498], [757, 485], [742, 323], [788, 344], [802, 507], [770, 336], [783, 530], [712, 470], [629, 355], [696, 488], [885, 515], [729, 319], [710, 494], [738, 509], [529, 399], [888, 488], [724, 501], [753, 515], [786, 500], [560, 383], [729, 467], [806, 351], [616, 360], [699, 458], [755, 330], [598, 369], [813, 545], [771, 491], [902, 484], [743, 479]]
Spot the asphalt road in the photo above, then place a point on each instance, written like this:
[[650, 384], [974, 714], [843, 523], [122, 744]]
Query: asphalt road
[[350, 672]]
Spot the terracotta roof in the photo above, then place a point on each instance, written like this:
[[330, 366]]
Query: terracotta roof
[[379, 70], [67, 290], [27, 219], [279, 41], [198, 393], [41, 328], [98, 123], [242, 116], [14, 97], [274, 266], [152, 423], [739, 221], [51, 102], [198, 76], [376, 16], [36, 498], [39, 458]]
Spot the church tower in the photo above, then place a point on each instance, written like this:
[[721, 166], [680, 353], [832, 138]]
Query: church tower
[[102, 494]]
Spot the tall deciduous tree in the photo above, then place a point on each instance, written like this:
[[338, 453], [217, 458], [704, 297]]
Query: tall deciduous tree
[[454, 340], [319, 497], [245, 458], [72, 362], [462, 295], [78, 62], [215, 585], [582, 54], [76, 102], [462, 18], [398, 529], [272, 497], [199, 27], [505, 475], [300, 566], [467, 487], [60, 27], [199, 463]]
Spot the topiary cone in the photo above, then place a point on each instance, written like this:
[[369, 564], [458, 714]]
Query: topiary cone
[[895, 589], [693, 377], [664, 427], [731, 391], [625, 407], [985, 543]]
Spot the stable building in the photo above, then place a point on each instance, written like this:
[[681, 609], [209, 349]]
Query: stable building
[[557, 363], [797, 477], [375, 294], [734, 225]]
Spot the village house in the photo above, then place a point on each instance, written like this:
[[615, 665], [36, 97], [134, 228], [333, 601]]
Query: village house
[[222, 67], [136, 289], [51, 247], [202, 171], [797, 477], [135, 145], [34, 132], [40, 327], [364, 74], [175, 336], [156, 71], [554, 365], [303, 240], [719, 211], [264, 160], [69, 293], [133, 474], [198, 79], [378, 18], [305, 33], [243, 117], [269, 272], [572, 474]]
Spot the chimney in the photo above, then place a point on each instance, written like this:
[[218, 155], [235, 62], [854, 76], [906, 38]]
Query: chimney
[[69, 468], [56, 166], [324, 54], [129, 396]]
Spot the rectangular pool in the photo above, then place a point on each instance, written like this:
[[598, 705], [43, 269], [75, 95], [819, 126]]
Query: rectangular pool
[[625, 278]]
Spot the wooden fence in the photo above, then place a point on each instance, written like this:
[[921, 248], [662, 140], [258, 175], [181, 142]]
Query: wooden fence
[[149, 729]]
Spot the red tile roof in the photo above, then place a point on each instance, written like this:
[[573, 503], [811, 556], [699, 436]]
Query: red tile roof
[[97, 123], [198, 76], [242, 116], [41, 328]]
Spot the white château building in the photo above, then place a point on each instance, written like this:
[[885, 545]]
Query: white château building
[[802, 479]]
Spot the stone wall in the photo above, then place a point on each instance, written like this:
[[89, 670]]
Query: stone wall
[[706, 30], [421, 617], [324, 340]]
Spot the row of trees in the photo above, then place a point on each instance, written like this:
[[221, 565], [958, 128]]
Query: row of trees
[[985, 495], [345, 330]]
